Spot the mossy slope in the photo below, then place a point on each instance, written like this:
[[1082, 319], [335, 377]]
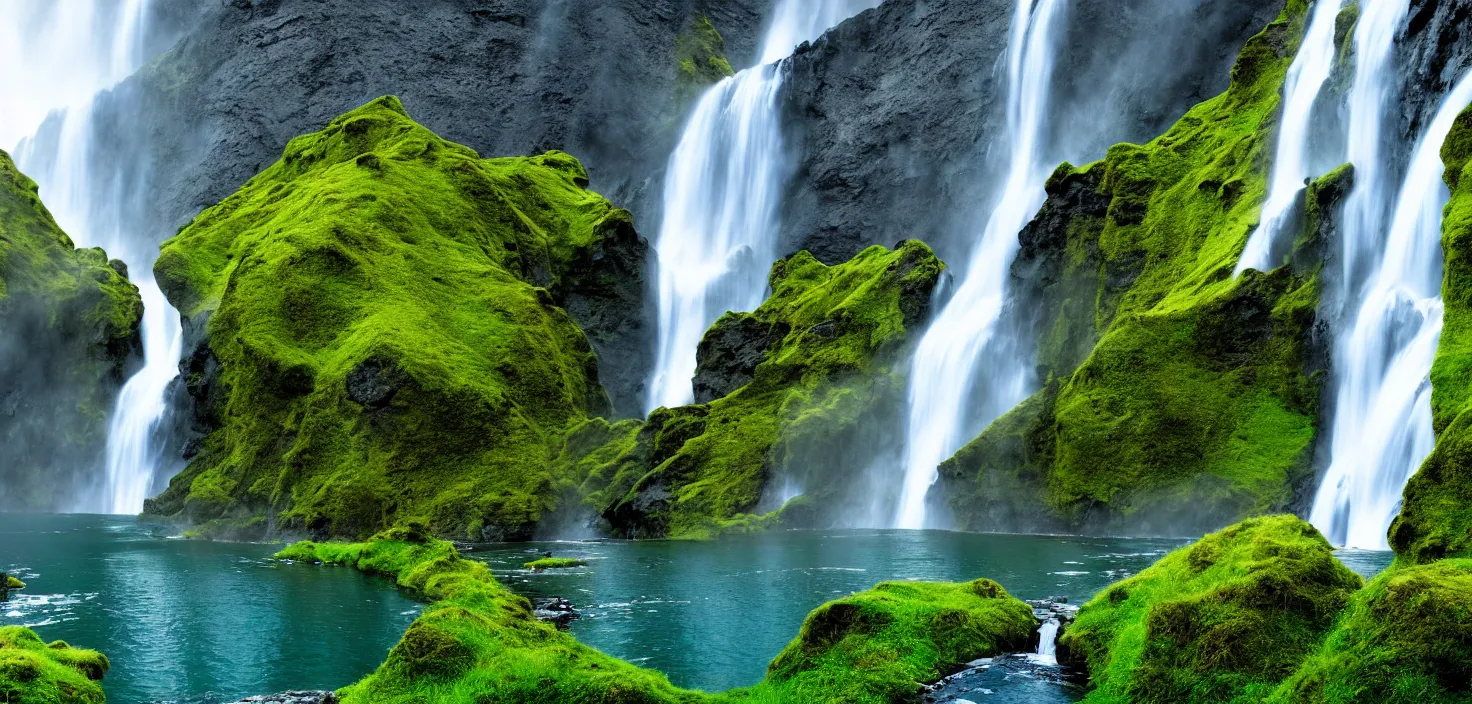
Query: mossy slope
[[379, 335], [1176, 396], [478, 642], [35, 672], [1436, 516], [68, 331], [824, 347], [1223, 620]]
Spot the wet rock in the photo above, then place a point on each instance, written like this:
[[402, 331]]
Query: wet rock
[[557, 611], [374, 382], [730, 352], [297, 697]]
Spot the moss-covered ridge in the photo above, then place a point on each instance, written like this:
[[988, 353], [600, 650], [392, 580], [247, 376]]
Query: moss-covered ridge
[[817, 360], [378, 336], [68, 332], [35, 672], [1436, 514], [478, 642], [1225, 619], [1176, 395]]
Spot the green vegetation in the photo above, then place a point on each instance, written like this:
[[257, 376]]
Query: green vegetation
[[1406, 638], [1174, 393], [555, 563], [478, 642], [383, 336], [701, 53], [35, 672], [1436, 517], [876, 646], [13, 583], [1223, 620], [68, 331], [830, 336]]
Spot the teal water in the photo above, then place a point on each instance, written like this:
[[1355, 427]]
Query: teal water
[[194, 621], [711, 615]]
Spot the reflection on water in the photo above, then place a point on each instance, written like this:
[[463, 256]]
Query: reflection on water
[[193, 621], [712, 614]]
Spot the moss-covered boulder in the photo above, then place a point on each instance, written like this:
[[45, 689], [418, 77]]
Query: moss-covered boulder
[[1177, 396], [35, 672], [378, 334], [68, 335], [877, 646], [1436, 515], [1225, 619], [1406, 638], [477, 642], [800, 383]]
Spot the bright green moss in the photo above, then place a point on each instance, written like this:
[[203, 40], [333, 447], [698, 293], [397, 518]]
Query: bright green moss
[[13, 583], [68, 332], [700, 470], [701, 53], [1436, 515], [478, 642], [555, 563], [1177, 390], [382, 308], [877, 646], [34, 672], [1406, 638], [1223, 620]]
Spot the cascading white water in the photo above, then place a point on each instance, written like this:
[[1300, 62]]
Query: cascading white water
[[57, 57], [722, 193], [1382, 428], [943, 371], [1047, 652], [1306, 77]]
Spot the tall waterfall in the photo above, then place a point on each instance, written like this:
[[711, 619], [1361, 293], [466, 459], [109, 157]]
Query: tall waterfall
[[722, 193], [943, 371], [1383, 430], [58, 56], [1306, 77]]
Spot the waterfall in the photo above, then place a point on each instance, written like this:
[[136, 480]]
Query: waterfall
[[943, 371], [1382, 427], [1305, 80], [1047, 652], [57, 57], [722, 193]]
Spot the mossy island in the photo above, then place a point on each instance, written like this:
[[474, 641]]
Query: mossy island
[[554, 563]]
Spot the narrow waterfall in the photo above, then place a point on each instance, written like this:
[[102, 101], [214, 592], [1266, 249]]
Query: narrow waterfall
[[59, 56], [1383, 430], [943, 371], [1378, 432], [1047, 652], [722, 193], [1306, 77]]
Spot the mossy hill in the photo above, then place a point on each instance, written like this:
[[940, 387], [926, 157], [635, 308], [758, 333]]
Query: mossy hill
[[1436, 517], [68, 335], [33, 671], [796, 385], [1176, 396], [1228, 617], [378, 333], [478, 642]]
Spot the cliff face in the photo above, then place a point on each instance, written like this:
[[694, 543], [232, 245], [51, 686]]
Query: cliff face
[[1176, 396], [68, 335], [504, 78], [894, 115], [378, 332]]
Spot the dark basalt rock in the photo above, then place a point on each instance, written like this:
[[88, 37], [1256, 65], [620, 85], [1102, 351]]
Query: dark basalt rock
[[557, 611], [298, 697], [374, 382], [731, 350]]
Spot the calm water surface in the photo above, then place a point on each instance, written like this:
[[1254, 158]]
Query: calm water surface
[[712, 615], [194, 621]]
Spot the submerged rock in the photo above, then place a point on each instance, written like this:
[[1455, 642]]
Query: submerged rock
[[557, 611], [298, 697]]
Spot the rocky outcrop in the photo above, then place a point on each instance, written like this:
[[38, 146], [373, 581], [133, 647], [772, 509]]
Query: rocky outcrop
[[377, 332], [504, 78], [68, 338], [896, 115], [730, 351]]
